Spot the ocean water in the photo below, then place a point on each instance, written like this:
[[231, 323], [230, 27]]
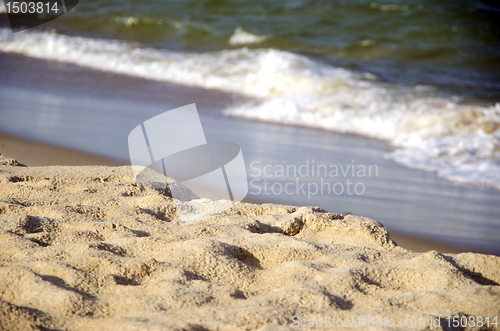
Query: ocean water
[[422, 75]]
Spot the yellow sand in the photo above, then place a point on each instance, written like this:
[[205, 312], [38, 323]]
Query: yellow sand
[[85, 248]]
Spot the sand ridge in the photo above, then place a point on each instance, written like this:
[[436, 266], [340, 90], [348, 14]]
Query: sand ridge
[[87, 248]]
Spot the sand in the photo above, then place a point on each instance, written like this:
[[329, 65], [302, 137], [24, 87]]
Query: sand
[[34, 153], [85, 248]]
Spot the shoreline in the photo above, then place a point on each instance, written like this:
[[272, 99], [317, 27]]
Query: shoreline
[[35, 154], [189, 168], [96, 113]]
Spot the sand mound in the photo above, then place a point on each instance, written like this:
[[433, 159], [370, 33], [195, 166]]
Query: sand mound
[[85, 248]]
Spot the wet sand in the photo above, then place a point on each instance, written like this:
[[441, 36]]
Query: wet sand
[[35, 154]]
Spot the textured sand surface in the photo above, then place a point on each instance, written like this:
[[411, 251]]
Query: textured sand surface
[[85, 248]]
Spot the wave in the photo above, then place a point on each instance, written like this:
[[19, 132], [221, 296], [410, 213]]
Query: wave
[[241, 37], [429, 131], [389, 7], [130, 21]]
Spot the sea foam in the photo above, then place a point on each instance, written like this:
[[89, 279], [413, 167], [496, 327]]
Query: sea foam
[[240, 37]]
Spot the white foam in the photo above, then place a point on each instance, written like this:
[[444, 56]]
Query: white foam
[[428, 134], [127, 21], [241, 37], [130, 21], [259, 73], [430, 131], [389, 7]]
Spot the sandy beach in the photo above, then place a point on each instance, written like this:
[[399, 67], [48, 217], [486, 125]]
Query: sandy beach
[[338, 165], [34, 153], [85, 247]]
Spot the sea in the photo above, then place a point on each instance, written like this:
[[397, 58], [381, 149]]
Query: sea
[[420, 76]]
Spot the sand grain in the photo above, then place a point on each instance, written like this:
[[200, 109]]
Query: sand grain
[[86, 248]]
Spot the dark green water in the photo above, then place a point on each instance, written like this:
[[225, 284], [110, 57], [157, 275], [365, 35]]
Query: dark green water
[[450, 44]]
